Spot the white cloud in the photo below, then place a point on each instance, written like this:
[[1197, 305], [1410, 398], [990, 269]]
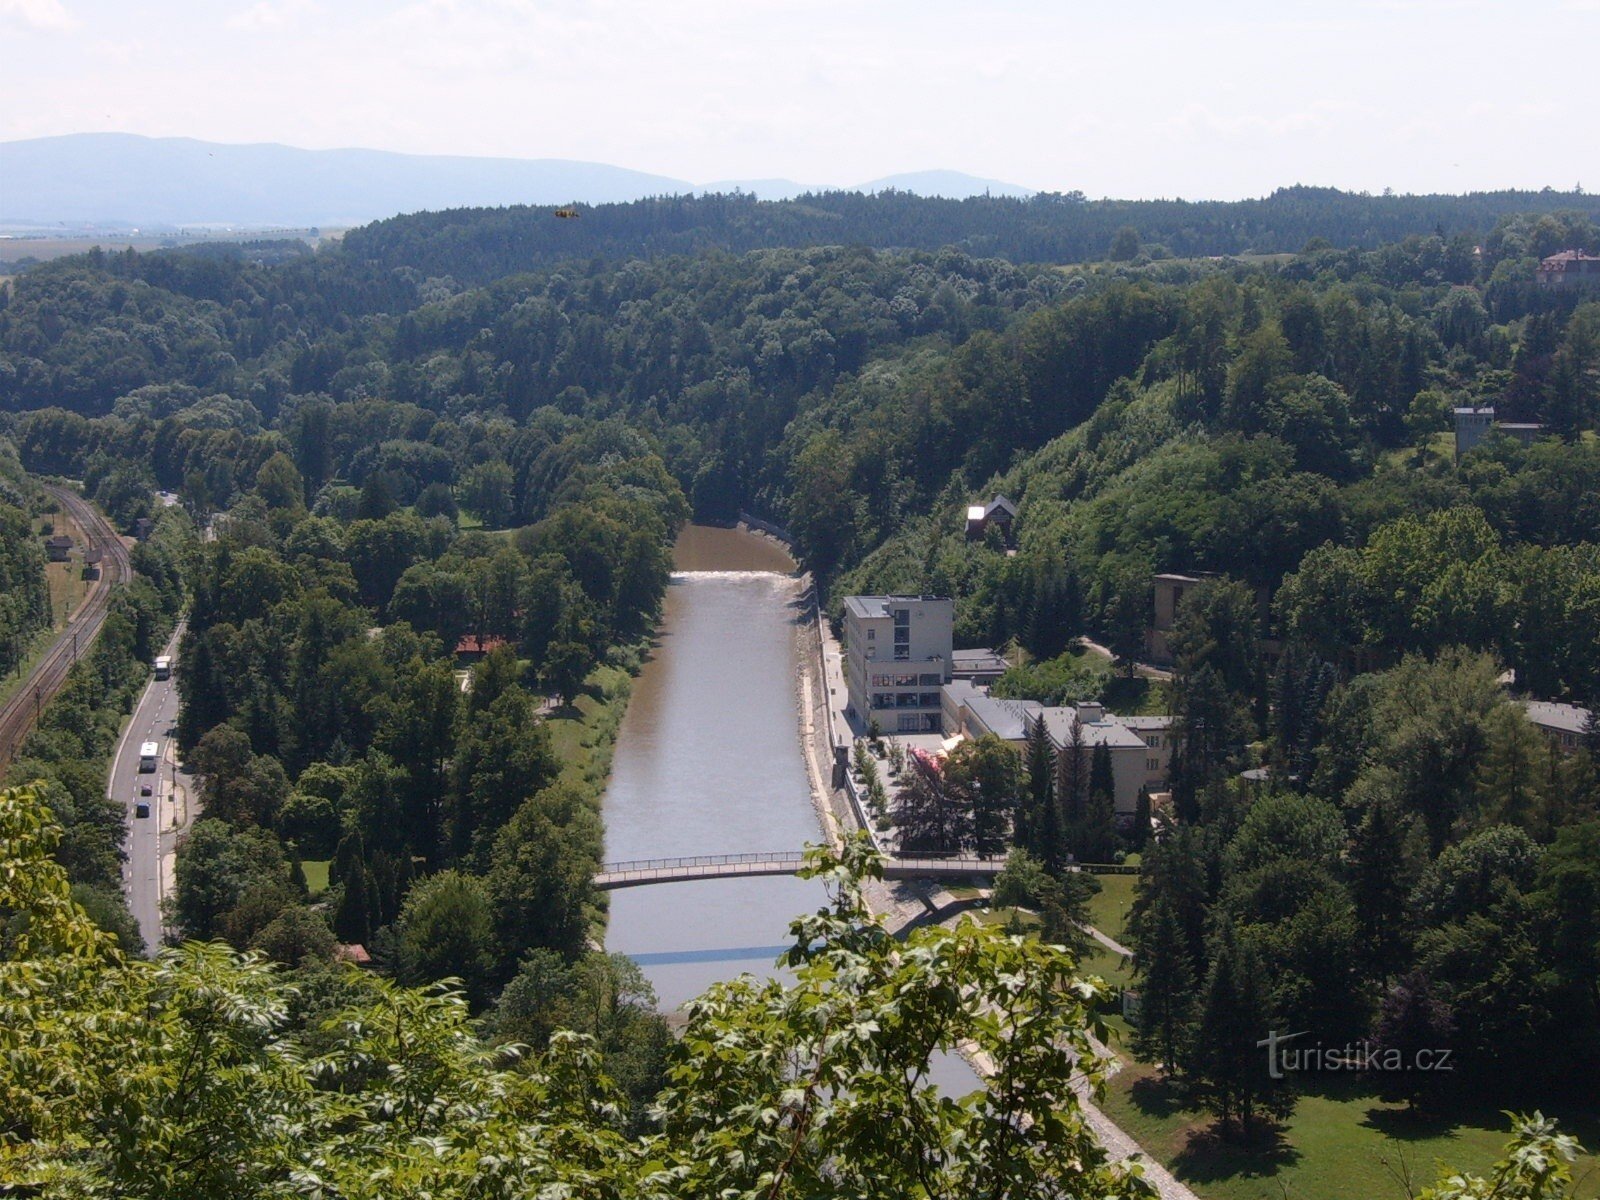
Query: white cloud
[[48, 16], [269, 15]]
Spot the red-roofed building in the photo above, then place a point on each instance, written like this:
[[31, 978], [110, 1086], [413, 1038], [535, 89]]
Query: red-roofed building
[[1569, 269], [471, 648]]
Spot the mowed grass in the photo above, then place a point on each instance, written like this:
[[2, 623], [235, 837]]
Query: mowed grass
[[1108, 910], [316, 875], [584, 732], [1341, 1143]]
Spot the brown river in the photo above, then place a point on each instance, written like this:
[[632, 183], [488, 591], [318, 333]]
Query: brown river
[[708, 761]]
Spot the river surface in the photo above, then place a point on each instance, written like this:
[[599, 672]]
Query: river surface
[[709, 761]]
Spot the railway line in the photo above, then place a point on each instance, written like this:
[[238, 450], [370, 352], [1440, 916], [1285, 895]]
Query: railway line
[[18, 715]]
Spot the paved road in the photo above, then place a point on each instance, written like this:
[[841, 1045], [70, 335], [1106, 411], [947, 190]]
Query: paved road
[[146, 877], [83, 626]]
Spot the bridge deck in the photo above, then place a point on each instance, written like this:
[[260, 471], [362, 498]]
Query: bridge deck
[[643, 872]]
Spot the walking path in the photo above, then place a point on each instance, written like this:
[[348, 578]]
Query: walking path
[[1146, 669]]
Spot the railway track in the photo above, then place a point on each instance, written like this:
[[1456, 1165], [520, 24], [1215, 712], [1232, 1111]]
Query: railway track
[[83, 626]]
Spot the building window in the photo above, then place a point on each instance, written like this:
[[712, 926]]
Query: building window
[[929, 680], [902, 637], [902, 617], [902, 653], [1152, 764], [872, 635]]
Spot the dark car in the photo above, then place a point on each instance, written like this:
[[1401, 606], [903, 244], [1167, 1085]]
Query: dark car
[[141, 809], [144, 789]]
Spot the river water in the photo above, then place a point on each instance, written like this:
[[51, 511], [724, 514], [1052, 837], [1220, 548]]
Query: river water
[[708, 761]]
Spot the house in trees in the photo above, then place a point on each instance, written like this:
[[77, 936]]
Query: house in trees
[[1563, 724], [1170, 589], [970, 711], [58, 548], [1169, 592], [897, 655], [1473, 424], [1568, 270], [999, 512], [1160, 738]]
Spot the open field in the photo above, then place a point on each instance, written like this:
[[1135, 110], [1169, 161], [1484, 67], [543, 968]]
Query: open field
[[1341, 1143], [14, 250], [67, 589]]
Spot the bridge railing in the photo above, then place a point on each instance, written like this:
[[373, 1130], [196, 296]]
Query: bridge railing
[[894, 864], [698, 860]]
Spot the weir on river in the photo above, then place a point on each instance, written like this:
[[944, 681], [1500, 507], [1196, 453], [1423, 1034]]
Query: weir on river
[[708, 761]]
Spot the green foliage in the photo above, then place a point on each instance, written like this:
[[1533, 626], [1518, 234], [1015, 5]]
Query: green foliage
[[204, 1073]]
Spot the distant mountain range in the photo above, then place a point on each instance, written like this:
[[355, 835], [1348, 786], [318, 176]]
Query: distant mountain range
[[121, 179]]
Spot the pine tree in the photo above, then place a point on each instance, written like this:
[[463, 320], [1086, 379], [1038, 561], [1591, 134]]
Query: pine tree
[[353, 920], [1098, 840], [1072, 785], [1140, 834], [1381, 875], [1229, 1063], [1166, 984], [1038, 822]]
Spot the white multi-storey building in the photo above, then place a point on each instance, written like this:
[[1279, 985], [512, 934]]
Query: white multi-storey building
[[897, 653]]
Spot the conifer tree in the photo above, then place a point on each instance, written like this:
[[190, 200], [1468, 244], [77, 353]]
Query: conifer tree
[[1166, 983], [1229, 1063], [353, 920], [1140, 833], [1038, 822]]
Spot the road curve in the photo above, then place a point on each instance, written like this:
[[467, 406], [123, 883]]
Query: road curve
[[83, 626]]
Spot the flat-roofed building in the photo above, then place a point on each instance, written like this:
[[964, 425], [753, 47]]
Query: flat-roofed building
[[1564, 724], [897, 657], [972, 712]]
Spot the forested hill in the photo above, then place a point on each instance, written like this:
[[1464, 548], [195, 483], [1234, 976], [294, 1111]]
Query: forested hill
[[478, 244]]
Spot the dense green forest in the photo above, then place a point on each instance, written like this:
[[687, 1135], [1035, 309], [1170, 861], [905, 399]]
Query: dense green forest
[[478, 245], [399, 445], [24, 595]]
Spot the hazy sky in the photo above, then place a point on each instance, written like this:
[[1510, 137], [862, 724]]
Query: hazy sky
[[1222, 99]]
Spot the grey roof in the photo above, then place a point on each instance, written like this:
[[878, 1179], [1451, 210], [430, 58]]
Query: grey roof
[[981, 659], [878, 606], [1007, 719], [1568, 718], [1109, 731], [1164, 721]]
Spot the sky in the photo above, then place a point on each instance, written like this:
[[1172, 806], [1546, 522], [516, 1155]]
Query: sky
[[1143, 98]]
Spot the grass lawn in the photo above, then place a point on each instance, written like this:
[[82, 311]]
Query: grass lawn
[[584, 732], [1341, 1143], [316, 875], [1108, 911], [1136, 697]]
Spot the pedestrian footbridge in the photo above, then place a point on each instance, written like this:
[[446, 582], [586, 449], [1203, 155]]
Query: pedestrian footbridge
[[644, 872]]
